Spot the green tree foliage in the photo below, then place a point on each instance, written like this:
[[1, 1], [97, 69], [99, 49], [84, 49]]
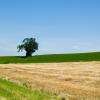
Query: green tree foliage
[[29, 45]]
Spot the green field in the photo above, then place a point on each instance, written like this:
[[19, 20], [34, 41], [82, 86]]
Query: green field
[[13, 91], [52, 58]]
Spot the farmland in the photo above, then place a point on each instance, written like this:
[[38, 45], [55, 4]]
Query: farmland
[[70, 80], [11, 91], [52, 58]]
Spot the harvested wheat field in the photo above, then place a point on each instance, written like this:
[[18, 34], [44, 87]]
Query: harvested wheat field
[[71, 80]]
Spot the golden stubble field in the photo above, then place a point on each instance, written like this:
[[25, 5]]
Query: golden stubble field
[[76, 80]]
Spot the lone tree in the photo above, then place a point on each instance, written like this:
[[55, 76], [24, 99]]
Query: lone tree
[[29, 45]]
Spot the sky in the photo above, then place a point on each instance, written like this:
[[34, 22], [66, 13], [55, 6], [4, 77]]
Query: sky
[[59, 26]]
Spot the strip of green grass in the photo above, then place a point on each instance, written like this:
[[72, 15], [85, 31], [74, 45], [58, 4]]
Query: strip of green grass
[[52, 58], [13, 91]]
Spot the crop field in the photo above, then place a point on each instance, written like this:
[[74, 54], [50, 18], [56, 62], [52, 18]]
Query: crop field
[[52, 58], [66, 80], [12, 91]]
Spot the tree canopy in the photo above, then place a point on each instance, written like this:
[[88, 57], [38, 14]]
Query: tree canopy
[[29, 45]]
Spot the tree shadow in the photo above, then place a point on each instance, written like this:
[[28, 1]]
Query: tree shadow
[[21, 57]]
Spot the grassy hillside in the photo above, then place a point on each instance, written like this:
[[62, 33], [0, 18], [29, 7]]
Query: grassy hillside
[[52, 58], [13, 91]]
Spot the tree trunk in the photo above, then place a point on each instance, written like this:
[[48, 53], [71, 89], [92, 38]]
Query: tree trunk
[[28, 54]]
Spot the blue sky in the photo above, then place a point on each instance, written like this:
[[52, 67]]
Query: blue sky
[[60, 26]]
